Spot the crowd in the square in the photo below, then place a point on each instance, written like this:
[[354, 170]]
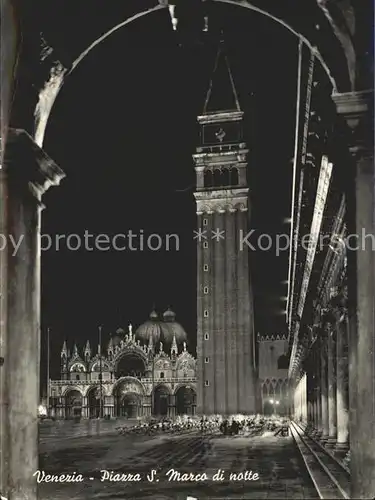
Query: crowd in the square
[[234, 425]]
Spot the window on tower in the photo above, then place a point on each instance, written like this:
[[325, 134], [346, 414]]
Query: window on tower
[[206, 383], [234, 177], [205, 267], [217, 178], [208, 179], [205, 313], [205, 290], [205, 222], [225, 181], [205, 244], [206, 336], [206, 360]]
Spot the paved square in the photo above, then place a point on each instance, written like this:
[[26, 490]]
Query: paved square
[[276, 461]]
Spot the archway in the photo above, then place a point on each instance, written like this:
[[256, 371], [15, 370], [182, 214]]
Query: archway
[[48, 95], [93, 403], [129, 405], [128, 394], [185, 400], [130, 365], [161, 401], [73, 404]]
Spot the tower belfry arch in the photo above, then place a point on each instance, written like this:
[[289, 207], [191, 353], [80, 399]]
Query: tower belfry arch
[[225, 328]]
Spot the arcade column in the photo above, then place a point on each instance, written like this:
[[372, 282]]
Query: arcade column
[[324, 388], [331, 382], [356, 109], [25, 175], [342, 398], [172, 406]]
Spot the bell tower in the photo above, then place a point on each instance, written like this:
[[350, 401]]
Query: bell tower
[[225, 330]]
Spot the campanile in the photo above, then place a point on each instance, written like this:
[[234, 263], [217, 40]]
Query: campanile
[[225, 330]]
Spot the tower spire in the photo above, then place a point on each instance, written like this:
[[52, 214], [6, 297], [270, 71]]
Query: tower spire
[[222, 93]]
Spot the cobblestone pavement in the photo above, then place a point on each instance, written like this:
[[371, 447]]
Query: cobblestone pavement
[[276, 460]]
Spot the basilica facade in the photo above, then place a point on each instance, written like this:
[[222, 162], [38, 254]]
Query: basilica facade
[[149, 372]]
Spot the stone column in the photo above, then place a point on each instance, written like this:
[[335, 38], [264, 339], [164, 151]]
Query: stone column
[[85, 407], [357, 110], [26, 174], [172, 406], [324, 390], [331, 373], [342, 397], [318, 393]]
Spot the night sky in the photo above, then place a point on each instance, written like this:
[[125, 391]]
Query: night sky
[[123, 129]]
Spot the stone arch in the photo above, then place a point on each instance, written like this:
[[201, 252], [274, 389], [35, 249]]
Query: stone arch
[[128, 395], [234, 176], [133, 385], [58, 74], [73, 399], [130, 363], [78, 364], [208, 179], [225, 177], [96, 367], [93, 401], [186, 398], [217, 178], [161, 395], [72, 388]]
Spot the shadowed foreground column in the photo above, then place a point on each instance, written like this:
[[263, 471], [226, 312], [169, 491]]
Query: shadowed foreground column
[[27, 173], [357, 110]]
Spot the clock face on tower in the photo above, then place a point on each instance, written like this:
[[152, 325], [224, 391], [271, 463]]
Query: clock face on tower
[[221, 133]]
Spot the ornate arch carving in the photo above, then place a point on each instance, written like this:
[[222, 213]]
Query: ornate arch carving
[[74, 388], [130, 384], [187, 385]]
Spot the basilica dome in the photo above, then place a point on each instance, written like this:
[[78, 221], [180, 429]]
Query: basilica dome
[[171, 328], [150, 328], [161, 330]]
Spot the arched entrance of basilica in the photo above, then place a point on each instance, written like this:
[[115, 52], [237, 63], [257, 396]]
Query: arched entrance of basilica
[[161, 401], [93, 403], [185, 401], [128, 398], [73, 404], [129, 405]]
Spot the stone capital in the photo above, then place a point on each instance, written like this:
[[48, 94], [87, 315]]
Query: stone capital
[[357, 110], [222, 201], [28, 166]]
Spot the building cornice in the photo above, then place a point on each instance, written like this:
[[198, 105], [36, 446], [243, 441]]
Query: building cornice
[[220, 116], [221, 201]]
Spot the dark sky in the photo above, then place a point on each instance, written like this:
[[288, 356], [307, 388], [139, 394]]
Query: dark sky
[[124, 129]]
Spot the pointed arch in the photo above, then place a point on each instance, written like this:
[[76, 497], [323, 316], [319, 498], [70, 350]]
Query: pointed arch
[[225, 178], [208, 179], [217, 177], [234, 176]]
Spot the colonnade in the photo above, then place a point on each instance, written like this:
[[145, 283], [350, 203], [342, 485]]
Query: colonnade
[[321, 398], [337, 406]]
